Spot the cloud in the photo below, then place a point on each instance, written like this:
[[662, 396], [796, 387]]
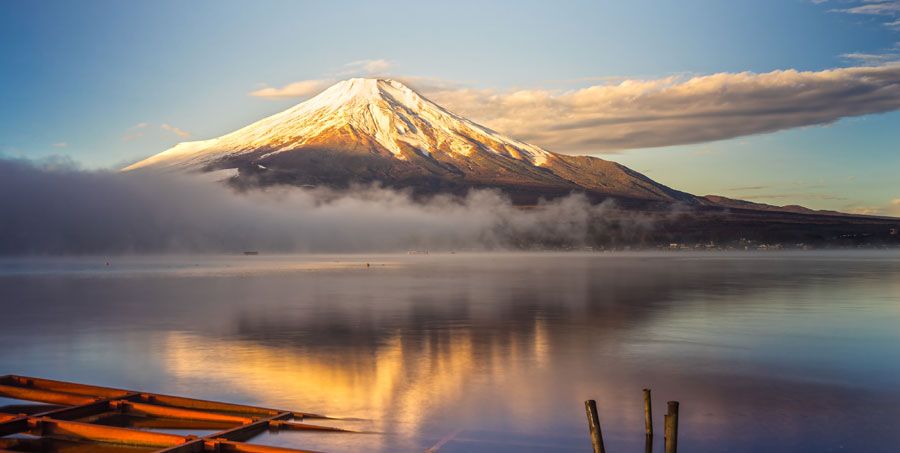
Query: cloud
[[677, 110], [892, 208], [871, 59], [884, 11], [299, 89], [745, 188], [866, 210], [60, 145], [429, 84], [790, 196], [68, 210], [140, 130], [134, 132], [879, 58], [177, 131], [307, 88], [369, 67], [877, 8]]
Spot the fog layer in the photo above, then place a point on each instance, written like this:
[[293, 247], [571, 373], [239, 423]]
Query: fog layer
[[55, 208]]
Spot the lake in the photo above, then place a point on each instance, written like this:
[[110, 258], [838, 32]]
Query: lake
[[774, 352]]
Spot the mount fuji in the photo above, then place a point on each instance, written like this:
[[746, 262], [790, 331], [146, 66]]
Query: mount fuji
[[380, 130], [363, 131]]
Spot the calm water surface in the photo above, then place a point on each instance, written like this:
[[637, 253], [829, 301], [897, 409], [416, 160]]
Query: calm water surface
[[776, 353]]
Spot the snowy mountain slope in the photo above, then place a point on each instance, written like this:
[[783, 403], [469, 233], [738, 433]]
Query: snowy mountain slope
[[366, 130]]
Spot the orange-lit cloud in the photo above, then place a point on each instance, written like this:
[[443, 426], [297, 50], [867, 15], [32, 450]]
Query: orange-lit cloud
[[177, 131], [139, 130], [134, 132], [300, 89], [673, 110], [369, 67]]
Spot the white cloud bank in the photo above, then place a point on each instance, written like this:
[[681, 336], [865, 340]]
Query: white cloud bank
[[661, 112]]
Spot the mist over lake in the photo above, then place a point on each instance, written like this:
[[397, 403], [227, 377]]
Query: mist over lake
[[790, 352]]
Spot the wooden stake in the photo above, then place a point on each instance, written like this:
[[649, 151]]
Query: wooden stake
[[671, 421], [590, 407], [648, 414]]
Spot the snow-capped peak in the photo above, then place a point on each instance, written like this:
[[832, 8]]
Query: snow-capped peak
[[360, 90], [385, 111]]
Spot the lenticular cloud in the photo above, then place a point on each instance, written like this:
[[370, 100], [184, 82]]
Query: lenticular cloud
[[675, 110]]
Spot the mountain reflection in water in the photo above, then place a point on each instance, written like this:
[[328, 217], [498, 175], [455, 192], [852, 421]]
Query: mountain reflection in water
[[781, 353]]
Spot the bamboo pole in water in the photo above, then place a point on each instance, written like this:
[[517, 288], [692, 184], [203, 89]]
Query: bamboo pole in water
[[648, 414], [590, 407], [671, 422]]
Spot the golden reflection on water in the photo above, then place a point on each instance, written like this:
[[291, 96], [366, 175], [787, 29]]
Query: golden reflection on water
[[398, 381]]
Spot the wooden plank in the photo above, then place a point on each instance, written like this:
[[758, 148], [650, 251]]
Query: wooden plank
[[153, 398], [63, 387], [125, 420], [44, 396], [193, 403], [178, 413], [99, 433], [241, 447], [294, 426], [46, 444]]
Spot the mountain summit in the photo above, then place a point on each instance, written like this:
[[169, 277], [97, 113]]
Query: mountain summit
[[368, 130]]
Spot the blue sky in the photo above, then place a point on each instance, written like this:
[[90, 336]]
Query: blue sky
[[97, 80]]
